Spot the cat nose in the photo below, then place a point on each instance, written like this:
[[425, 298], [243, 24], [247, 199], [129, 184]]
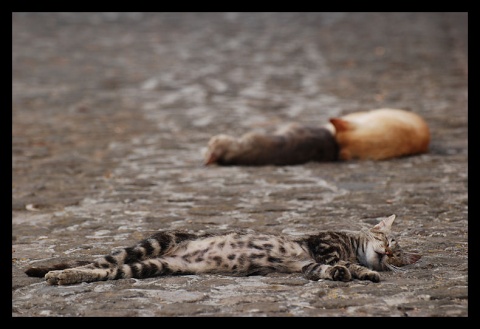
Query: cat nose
[[388, 252], [211, 159]]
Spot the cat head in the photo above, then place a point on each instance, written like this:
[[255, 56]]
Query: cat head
[[220, 148], [383, 252]]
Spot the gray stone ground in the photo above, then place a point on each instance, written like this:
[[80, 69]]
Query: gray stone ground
[[111, 112]]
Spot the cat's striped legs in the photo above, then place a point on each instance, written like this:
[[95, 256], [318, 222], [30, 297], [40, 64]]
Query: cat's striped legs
[[137, 261], [140, 270], [151, 247], [317, 271], [75, 275], [341, 271], [361, 272]]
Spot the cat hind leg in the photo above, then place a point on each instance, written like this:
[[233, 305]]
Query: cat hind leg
[[71, 276], [139, 270], [149, 248], [40, 271]]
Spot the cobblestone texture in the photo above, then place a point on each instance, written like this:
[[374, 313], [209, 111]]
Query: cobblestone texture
[[111, 112]]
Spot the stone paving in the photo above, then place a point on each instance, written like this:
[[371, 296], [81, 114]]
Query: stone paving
[[111, 112]]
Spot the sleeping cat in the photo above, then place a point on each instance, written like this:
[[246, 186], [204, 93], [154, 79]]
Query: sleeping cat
[[367, 135], [332, 255], [295, 144], [380, 134]]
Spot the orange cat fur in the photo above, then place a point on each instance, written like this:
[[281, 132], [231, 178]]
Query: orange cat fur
[[380, 134]]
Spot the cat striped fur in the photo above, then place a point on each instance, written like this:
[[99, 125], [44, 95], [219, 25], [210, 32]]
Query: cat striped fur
[[331, 255]]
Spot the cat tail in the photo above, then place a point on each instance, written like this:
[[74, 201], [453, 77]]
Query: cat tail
[[39, 272]]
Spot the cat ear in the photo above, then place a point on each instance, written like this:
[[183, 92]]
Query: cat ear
[[408, 258], [385, 225], [341, 124]]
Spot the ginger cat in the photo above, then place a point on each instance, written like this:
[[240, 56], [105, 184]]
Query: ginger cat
[[380, 134]]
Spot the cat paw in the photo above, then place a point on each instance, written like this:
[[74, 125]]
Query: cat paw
[[53, 277], [340, 273], [60, 278], [372, 276]]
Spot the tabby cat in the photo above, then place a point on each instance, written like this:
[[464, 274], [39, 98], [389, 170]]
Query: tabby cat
[[380, 134], [290, 145], [332, 255]]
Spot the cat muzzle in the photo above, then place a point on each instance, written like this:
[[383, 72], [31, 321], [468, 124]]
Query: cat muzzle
[[388, 252]]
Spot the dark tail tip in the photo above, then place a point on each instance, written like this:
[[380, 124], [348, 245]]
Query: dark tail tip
[[38, 272]]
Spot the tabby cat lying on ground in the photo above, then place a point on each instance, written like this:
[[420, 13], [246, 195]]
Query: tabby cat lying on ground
[[368, 135], [332, 255]]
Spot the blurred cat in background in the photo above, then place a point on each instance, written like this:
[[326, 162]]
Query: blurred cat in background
[[367, 135]]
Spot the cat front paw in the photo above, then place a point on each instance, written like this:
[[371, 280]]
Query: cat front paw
[[53, 277], [372, 276], [340, 273]]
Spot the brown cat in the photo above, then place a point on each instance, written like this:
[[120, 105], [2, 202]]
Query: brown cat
[[294, 144], [380, 134]]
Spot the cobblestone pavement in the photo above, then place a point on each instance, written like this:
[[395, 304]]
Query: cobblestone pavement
[[111, 112]]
